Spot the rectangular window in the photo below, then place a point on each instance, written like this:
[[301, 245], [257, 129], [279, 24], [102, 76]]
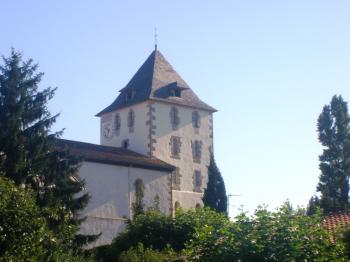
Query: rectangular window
[[175, 144], [197, 178], [197, 151]]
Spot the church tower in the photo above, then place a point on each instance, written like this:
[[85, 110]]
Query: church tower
[[157, 114]]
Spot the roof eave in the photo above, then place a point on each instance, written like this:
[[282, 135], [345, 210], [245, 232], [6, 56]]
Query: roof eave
[[209, 108]]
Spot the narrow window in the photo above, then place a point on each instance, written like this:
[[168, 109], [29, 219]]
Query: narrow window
[[131, 120], [125, 143], [196, 119], [175, 144], [174, 118], [197, 177], [197, 151], [117, 124], [176, 176]]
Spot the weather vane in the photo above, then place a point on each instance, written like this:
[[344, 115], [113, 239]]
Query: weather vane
[[155, 38]]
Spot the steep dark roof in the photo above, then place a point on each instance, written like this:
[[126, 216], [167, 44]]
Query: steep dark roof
[[152, 81], [112, 155]]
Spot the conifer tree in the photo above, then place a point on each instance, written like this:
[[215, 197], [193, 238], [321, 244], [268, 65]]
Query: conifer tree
[[138, 206], [334, 135], [28, 154], [215, 193], [312, 206]]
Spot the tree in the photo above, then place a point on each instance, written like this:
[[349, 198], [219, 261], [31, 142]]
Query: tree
[[138, 207], [284, 235], [313, 206], [215, 193], [24, 234], [28, 154], [334, 135], [152, 229], [141, 254]]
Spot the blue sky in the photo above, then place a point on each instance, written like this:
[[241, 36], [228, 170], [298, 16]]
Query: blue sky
[[267, 66]]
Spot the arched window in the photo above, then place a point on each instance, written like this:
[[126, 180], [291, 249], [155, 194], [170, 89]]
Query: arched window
[[117, 123], [196, 120], [131, 120], [177, 205], [174, 118], [198, 205]]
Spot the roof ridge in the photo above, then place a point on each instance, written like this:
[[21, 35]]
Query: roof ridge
[[154, 64]]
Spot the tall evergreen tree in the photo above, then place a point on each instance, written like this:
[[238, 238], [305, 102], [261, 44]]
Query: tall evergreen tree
[[313, 205], [138, 207], [334, 135], [215, 193], [28, 154]]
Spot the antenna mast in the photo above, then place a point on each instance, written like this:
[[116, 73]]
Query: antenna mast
[[155, 38]]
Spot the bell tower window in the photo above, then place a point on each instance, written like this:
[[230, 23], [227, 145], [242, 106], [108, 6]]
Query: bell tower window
[[117, 124], [174, 118], [196, 151], [196, 120], [175, 144], [131, 120], [197, 181]]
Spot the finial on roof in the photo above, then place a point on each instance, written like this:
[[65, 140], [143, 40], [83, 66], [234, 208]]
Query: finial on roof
[[155, 38]]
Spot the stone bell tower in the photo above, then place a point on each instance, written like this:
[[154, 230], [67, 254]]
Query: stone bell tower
[[157, 114]]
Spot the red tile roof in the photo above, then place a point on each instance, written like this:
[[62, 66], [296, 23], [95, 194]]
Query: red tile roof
[[337, 221], [112, 155]]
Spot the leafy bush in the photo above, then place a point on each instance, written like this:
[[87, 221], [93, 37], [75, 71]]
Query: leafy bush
[[284, 235], [140, 254], [204, 235], [22, 229], [159, 231], [24, 235]]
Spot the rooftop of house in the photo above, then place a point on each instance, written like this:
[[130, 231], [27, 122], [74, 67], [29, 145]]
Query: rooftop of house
[[337, 221], [112, 155], [157, 80]]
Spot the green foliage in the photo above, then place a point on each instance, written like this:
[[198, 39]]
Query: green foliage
[[28, 154], [138, 206], [156, 203], [154, 230], [346, 239], [22, 228], [140, 254], [24, 234], [158, 231], [205, 235], [313, 205], [285, 235], [215, 193], [334, 135]]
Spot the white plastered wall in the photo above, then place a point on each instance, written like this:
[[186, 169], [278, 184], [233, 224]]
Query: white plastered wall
[[112, 191], [138, 139]]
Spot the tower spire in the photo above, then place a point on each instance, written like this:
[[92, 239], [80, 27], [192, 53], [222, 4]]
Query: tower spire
[[155, 38]]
